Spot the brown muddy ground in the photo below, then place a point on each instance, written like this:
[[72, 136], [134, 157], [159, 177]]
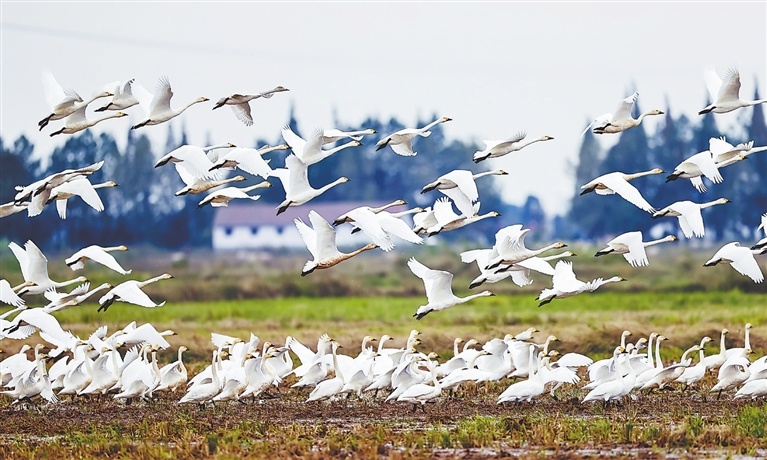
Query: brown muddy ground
[[670, 409]]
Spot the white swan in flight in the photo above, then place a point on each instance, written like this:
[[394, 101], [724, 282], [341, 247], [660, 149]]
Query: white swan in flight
[[79, 186], [741, 258], [402, 141], [27, 192], [98, 254], [11, 208], [77, 121], [59, 301], [330, 136], [249, 160], [723, 150], [320, 239], [463, 180], [618, 182], [439, 292], [499, 148], [130, 292], [344, 218], [621, 120], [157, 106], [122, 98], [63, 102], [631, 246], [34, 269], [295, 181], [725, 93], [702, 164], [379, 226], [222, 197], [197, 186], [566, 285], [309, 150], [511, 249], [240, 103], [446, 220], [761, 245], [688, 213]]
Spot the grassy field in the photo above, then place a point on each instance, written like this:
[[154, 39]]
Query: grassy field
[[264, 296]]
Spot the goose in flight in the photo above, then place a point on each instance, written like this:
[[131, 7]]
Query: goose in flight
[[439, 292], [702, 164], [34, 269], [63, 102], [618, 182], [688, 213], [157, 106], [741, 258], [402, 141], [122, 99], [222, 197], [725, 92], [130, 292], [77, 121], [320, 239], [499, 148], [240, 103], [330, 136], [631, 246], [566, 285], [99, 255], [249, 160], [295, 181], [309, 150]]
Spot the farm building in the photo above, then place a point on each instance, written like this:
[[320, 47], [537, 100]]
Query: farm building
[[256, 226]]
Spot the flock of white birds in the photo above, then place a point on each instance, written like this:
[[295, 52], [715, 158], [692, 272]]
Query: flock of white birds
[[238, 369]]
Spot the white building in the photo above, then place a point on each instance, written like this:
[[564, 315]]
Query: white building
[[256, 226]]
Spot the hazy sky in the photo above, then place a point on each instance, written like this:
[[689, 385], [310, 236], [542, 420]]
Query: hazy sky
[[495, 68]]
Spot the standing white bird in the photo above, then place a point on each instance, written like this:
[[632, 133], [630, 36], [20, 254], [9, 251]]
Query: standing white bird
[[222, 197], [740, 258], [240, 103], [618, 182], [157, 107], [122, 98], [295, 181], [725, 93], [630, 244], [688, 213], [566, 285], [402, 141], [499, 148], [130, 292], [98, 254], [320, 239], [439, 292]]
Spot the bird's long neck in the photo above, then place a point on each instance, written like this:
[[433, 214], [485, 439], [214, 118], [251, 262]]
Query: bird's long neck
[[214, 370], [115, 363], [649, 351], [107, 117], [67, 283], [474, 296], [337, 369], [687, 352], [557, 256], [747, 343], [180, 352], [702, 354], [327, 153], [486, 173], [431, 125], [455, 347], [709, 204], [324, 189], [180, 110], [658, 362], [386, 206], [8, 313], [640, 174], [722, 344], [141, 284], [645, 114], [665, 239], [367, 247]]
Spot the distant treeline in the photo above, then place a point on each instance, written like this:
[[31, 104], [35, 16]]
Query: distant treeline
[[143, 208]]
